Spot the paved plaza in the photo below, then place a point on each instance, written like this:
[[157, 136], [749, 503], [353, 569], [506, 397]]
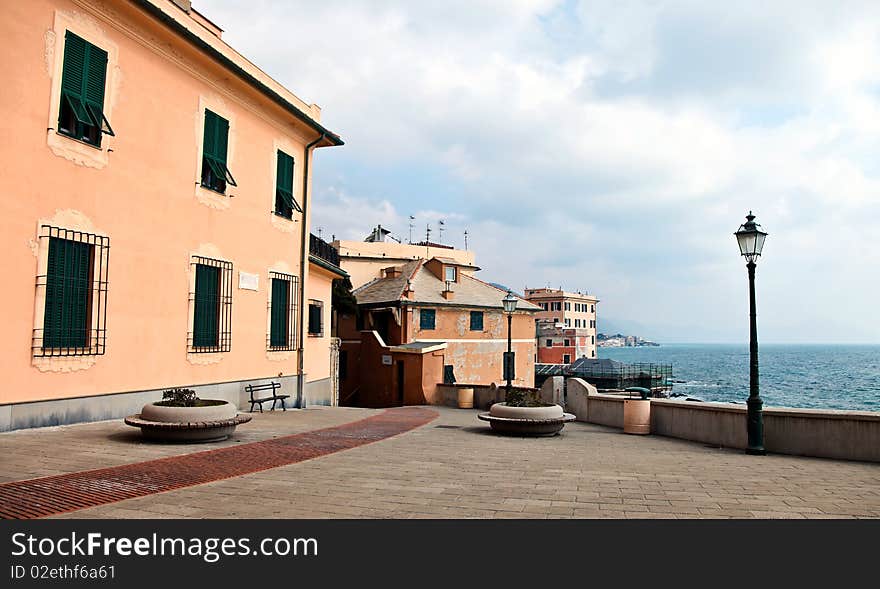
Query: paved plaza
[[452, 467]]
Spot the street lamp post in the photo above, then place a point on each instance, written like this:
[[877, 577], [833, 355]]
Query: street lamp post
[[509, 304], [751, 241]]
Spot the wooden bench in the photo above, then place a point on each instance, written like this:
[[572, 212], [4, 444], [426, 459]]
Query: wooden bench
[[274, 397]]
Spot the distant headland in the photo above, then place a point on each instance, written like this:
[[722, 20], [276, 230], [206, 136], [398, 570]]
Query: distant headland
[[618, 340]]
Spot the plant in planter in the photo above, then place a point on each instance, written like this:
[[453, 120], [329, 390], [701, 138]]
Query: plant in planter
[[181, 416], [522, 412]]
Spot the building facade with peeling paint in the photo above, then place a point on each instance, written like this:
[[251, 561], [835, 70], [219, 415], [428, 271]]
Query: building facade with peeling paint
[[156, 216], [426, 323]]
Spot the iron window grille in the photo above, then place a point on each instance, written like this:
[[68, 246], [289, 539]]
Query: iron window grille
[[74, 290], [83, 77], [476, 321], [282, 312], [215, 173], [427, 318], [316, 318], [285, 204], [211, 300]]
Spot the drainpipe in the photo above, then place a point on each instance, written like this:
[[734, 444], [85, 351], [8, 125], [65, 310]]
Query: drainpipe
[[304, 248]]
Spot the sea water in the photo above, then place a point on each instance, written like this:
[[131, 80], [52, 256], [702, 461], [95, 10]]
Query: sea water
[[805, 376]]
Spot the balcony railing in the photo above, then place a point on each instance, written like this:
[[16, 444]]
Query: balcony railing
[[321, 249]]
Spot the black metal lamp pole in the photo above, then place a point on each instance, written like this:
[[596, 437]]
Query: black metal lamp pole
[[509, 350], [755, 404], [508, 303], [751, 242]]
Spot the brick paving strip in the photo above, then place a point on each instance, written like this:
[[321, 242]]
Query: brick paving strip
[[53, 495]]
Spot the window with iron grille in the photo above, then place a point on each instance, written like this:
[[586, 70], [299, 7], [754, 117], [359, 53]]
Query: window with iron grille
[[83, 77], [215, 173], [74, 291], [316, 318], [282, 311], [211, 301], [476, 321], [285, 204], [427, 318]]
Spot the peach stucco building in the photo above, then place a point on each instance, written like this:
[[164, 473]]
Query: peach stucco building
[[426, 323], [567, 324], [155, 222]]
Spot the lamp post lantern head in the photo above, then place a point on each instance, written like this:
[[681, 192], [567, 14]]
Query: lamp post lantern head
[[509, 303], [750, 238]]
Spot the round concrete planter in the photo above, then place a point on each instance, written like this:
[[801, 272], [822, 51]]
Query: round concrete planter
[[526, 421], [210, 423]]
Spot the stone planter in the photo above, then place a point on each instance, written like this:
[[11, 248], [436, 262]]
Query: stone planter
[[212, 422], [526, 421]]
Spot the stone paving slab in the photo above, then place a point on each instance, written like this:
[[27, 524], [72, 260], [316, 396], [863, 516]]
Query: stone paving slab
[[463, 471]]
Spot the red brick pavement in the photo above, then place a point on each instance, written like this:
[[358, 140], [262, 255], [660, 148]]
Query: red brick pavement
[[46, 496]]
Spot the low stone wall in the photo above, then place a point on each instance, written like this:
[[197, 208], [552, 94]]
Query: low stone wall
[[484, 395], [847, 435], [112, 406]]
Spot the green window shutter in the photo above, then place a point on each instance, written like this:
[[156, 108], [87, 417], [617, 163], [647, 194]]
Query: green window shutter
[[285, 204], [427, 318], [206, 316], [210, 134], [315, 319], [68, 294], [83, 79], [214, 147], [278, 334]]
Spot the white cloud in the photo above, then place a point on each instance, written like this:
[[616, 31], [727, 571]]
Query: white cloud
[[604, 145]]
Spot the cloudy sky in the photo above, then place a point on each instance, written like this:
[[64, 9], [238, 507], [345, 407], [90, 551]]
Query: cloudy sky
[[610, 146]]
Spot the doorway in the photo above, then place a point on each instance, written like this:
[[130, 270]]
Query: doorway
[[400, 374]]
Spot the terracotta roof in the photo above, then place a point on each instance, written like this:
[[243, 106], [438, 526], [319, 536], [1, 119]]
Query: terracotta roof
[[427, 289]]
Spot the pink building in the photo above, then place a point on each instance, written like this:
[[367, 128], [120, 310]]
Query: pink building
[[565, 325], [139, 132]]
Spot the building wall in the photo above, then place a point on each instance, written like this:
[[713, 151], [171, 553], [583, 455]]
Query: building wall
[[317, 348], [581, 343], [477, 356], [140, 190], [576, 311], [372, 374], [365, 260]]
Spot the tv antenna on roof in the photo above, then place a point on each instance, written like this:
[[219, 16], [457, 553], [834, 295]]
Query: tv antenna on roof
[[440, 231], [411, 225], [465, 239], [320, 232], [427, 233]]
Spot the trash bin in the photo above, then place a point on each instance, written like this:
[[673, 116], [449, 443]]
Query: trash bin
[[466, 398], [637, 412]]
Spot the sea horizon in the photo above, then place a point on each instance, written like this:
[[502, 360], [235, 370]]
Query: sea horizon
[[802, 375]]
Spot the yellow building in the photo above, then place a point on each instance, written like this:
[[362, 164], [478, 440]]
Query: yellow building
[[156, 216], [366, 260]]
